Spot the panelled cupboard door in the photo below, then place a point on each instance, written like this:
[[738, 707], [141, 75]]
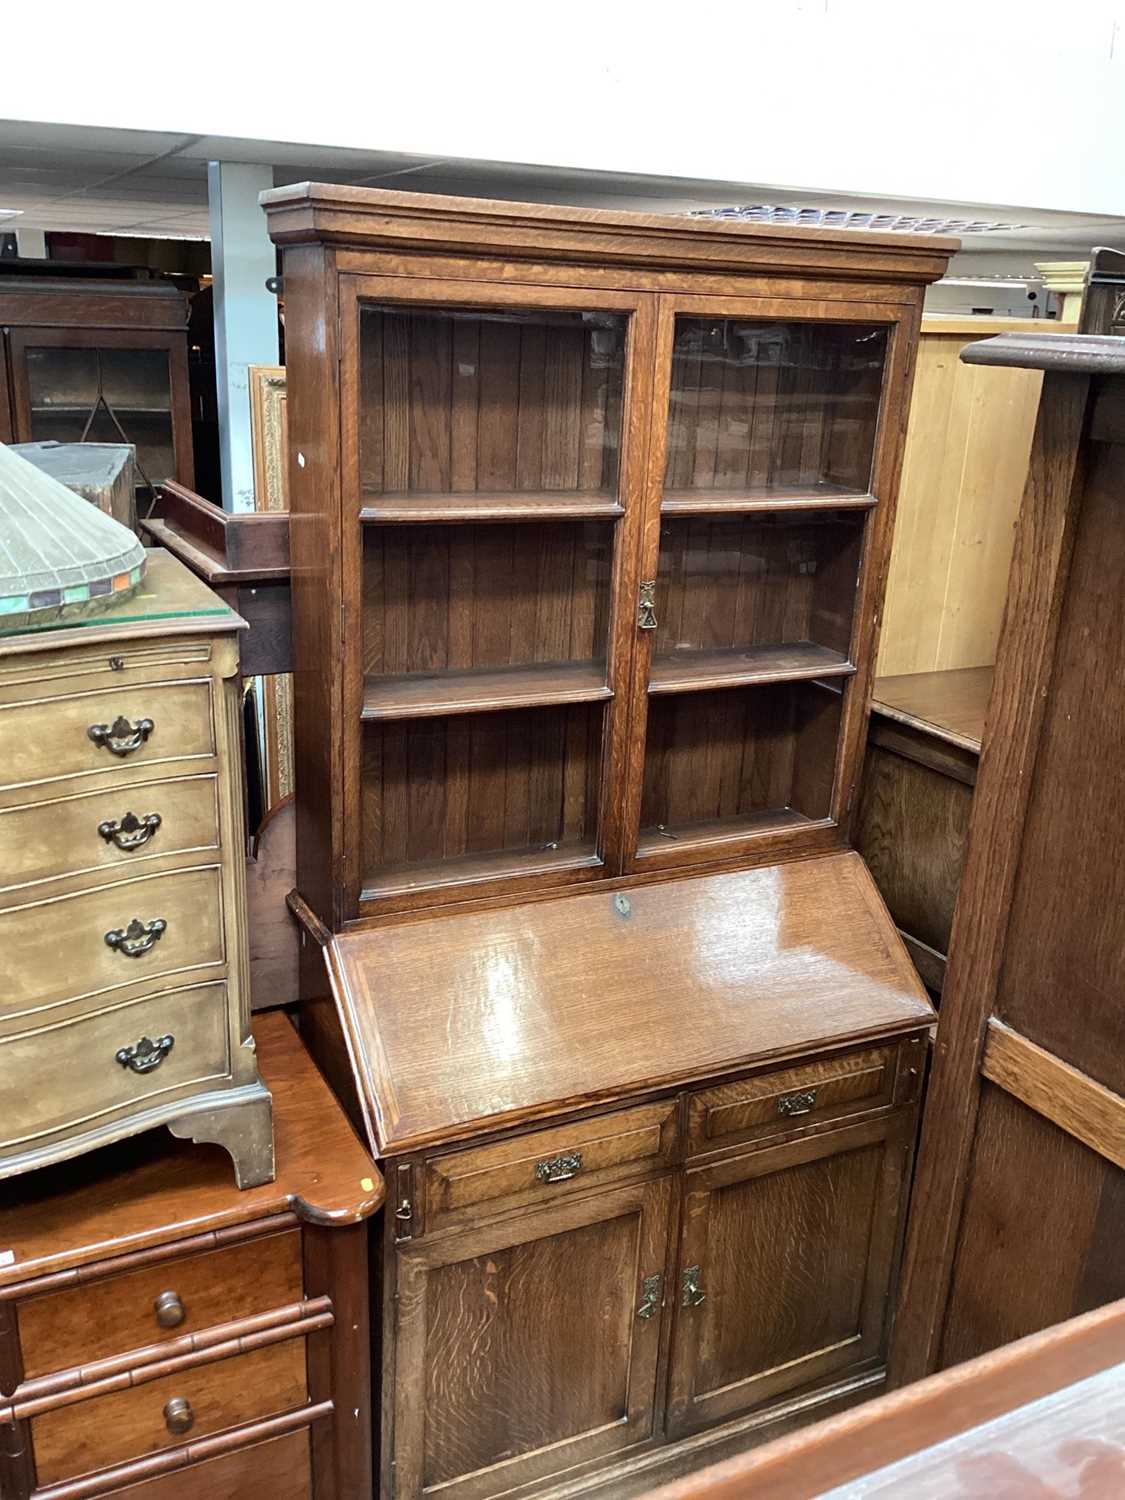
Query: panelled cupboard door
[[528, 1347], [770, 472], [492, 476], [786, 1267]]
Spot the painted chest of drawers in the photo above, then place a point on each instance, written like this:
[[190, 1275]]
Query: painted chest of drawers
[[163, 1335], [124, 997]]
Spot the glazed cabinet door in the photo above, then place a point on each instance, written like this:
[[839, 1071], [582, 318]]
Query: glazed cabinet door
[[528, 1347], [786, 1268], [772, 464], [493, 458], [106, 386]]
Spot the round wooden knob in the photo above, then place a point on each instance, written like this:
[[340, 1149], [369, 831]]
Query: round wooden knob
[[178, 1415], [169, 1309]]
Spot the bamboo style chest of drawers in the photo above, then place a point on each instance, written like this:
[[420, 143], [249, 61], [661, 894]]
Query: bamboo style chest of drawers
[[164, 1336], [124, 1002]]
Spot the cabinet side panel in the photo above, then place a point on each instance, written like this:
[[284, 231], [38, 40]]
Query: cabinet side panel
[[317, 575], [1061, 981], [1035, 1247]]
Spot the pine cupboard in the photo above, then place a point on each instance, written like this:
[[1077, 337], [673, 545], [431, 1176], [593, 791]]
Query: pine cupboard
[[590, 520]]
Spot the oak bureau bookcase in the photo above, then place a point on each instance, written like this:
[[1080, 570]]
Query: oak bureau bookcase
[[590, 520]]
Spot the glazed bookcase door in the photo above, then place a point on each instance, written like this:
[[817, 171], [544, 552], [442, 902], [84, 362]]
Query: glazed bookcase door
[[492, 484], [763, 481], [787, 1262], [528, 1348]]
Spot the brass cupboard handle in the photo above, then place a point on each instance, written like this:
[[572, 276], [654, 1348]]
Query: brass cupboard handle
[[129, 832], [559, 1168], [178, 1416], [143, 1057], [121, 737], [691, 1293], [169, 1310], [650, 1297], [138, 938], [801, 1103]]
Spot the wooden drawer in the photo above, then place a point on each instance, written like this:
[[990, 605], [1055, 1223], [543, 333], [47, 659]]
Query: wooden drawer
[[548, 1164], [278, 1469], [116, 1314], [772, 1103], [48, 737], [130, 1423], [61, 1076], [56, 950], [44, 840]]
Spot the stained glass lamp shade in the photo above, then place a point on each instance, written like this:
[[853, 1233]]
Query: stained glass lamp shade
[[59, 555]]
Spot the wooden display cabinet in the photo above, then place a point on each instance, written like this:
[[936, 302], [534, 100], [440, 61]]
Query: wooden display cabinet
[[590, 517], [77, 350]]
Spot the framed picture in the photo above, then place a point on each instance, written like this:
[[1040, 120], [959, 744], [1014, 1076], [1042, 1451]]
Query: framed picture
[[270, 432]]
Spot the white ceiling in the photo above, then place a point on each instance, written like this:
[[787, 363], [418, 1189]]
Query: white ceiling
[[149, 183]]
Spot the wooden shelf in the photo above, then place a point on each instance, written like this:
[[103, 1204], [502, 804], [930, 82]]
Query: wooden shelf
[[423, 694], [466, 869], [698, 671], [723, 830], [691, 502], [52, 409], [478, 505]]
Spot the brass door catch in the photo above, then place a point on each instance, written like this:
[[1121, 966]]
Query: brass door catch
[[646, 605], [797, 1104], [559, 1168]]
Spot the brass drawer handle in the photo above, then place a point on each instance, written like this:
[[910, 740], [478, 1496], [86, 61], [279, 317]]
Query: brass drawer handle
[[129, 832], [559, 1168], [138, 938], [178, 1416], [144, 1056], [691, 1293], [650, 1297], [797, 1104], [169, 1310], [121, 737]]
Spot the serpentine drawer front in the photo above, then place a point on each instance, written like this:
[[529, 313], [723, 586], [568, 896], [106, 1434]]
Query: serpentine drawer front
[[105, 729], [157, 1303], [546, 1165], [122, 882], [86, 944], [117, 830], [95, 1066]]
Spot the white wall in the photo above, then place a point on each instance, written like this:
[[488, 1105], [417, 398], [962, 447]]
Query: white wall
[[989, 101]]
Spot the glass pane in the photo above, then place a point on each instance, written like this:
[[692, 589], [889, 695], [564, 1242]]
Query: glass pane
[[738, 761], [499, 611], [64, 385], [486, 403], [768, 408], [738, 593], [478, 795]]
